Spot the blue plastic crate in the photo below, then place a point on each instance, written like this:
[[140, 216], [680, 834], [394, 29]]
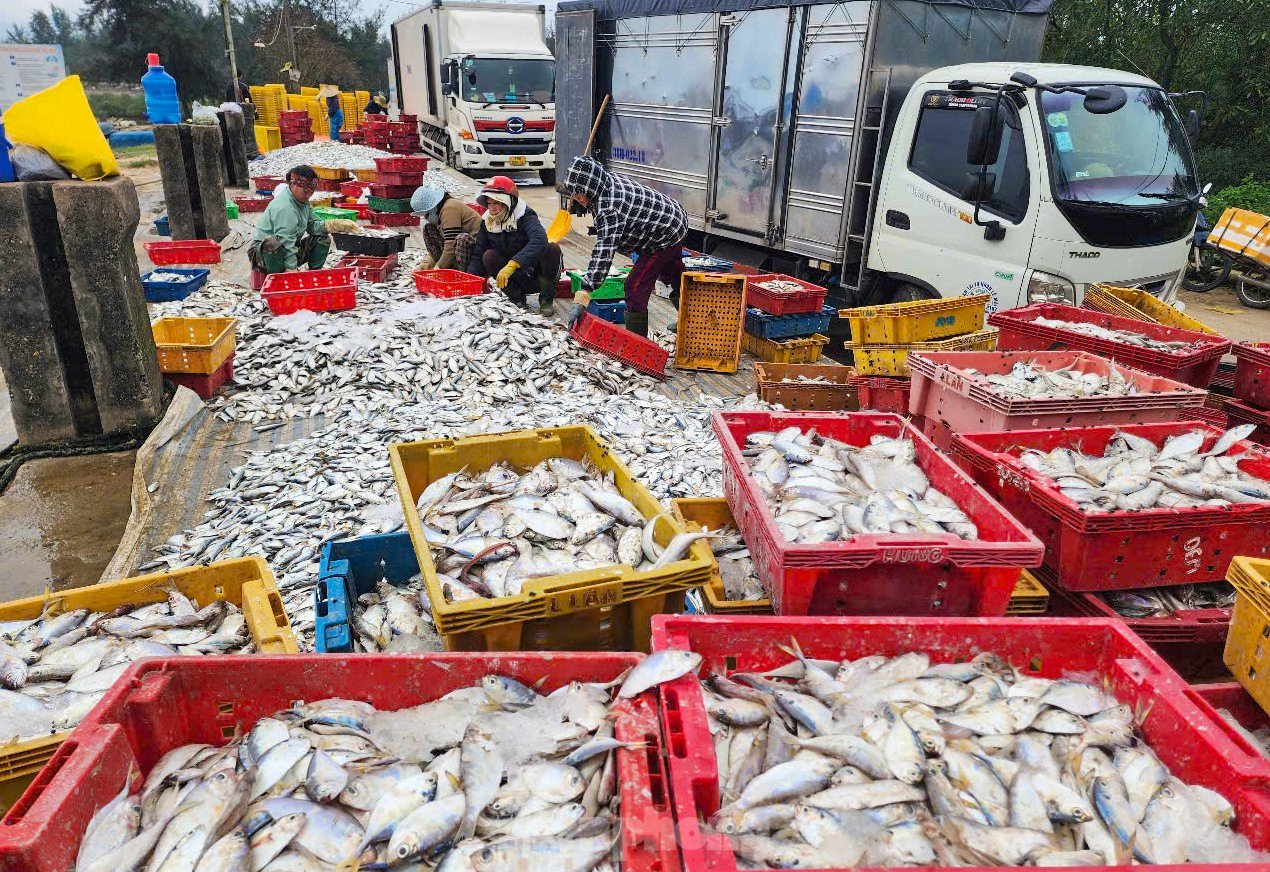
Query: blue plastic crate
[[166, 292], [706, 263], [765, 326], [161, 226], [613, 312], [350, 568]]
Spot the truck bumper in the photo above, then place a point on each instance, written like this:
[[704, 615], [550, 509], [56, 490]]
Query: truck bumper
[[470, 160]]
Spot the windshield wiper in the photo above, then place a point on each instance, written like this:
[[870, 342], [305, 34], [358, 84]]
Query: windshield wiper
[[1168, 195]]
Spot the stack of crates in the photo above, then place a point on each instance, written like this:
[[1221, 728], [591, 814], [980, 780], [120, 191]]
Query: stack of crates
[[294, 127], [786, 320], [1251, 402], [882, 336], [348, 105], [269, 101], [403, 137], [362, 98]]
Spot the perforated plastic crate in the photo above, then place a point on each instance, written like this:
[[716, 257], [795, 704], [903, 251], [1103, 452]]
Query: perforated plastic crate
[[448, 283], [195, 251], [712, 513], [612, 288], [774, 301], [711, 321], [917, 321], [833, 391], [765, 326], [164, 292], [266, 183], [1242, 413], [401, 165], [329, 213], [370, 269], [394, 219], [1142, 306], [881, 394], [375, 246], [318, 290], [193, 345], [333, 174], [785, 351], [1252, 373], [892, 360], [252, 204], [621, 344], [614, 312]]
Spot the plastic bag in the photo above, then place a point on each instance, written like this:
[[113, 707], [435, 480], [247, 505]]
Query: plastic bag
[[60, 121], [31, 164], [204, 114]]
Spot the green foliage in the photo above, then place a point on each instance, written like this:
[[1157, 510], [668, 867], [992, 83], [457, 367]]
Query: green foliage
[[110, 105], [1248, 194]]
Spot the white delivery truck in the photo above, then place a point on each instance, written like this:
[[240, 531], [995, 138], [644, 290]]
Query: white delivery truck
[[481, 79], [892, 149]]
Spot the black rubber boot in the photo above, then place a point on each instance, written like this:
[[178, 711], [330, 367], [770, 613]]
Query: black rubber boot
[[546, 296], [637, 323]]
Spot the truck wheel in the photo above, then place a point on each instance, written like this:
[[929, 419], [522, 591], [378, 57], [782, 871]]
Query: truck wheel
[[548, 177], [906, 292]]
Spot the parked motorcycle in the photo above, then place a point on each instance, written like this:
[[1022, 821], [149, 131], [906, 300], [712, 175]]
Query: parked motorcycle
[[1207, 266]]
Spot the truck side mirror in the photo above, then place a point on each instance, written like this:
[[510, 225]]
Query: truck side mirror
[[1105, 99], [984, 144], [1192, 125], [978, 187]]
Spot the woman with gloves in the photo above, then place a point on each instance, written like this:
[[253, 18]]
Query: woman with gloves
[[287, 235], [512, 247], [449, 228]]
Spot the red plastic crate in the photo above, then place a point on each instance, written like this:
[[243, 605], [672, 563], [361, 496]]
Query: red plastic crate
[[1179, 732], [883, 394], [1195, 367], [1232, 697], [391, 192], [318, 290], [1118, 550], [393, 219], [171, 253], [362, 210], [954, 401], [448, 283], [251, 204], [414, 180], [401, 165], [1242, 413], [258, 279], [351, 189], [370, 268], [160, 704], [332, 185], [405, 118], [564, 288], [266, 183], [876, 574], [204, 385], [1252, 373], [810, 299], [1212, 415], [621, 344]]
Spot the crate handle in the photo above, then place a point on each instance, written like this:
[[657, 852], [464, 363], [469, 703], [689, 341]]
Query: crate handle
[[53, 793]]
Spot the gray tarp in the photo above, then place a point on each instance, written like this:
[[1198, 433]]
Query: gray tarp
[[612, 10]]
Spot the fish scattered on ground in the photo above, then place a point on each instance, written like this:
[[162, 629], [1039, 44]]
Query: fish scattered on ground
[[1030, 380], [1133, 473], [1164, 602], [903, 762], [1128, 337], [492, 778], [823, 490]]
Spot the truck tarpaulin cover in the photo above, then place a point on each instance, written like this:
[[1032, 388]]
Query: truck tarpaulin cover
[[612, 10]]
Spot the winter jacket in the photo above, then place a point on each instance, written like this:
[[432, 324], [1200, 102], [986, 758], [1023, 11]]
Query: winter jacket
[[524, 245], [288, 219], [452, 218], [629, 217]]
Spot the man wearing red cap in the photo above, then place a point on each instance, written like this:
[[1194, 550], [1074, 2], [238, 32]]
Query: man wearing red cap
[[512, 247]]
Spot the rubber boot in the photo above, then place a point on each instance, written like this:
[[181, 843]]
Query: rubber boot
[[546, 296], [637, 322]]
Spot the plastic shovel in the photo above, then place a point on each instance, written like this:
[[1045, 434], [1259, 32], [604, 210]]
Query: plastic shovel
[[560, 226]]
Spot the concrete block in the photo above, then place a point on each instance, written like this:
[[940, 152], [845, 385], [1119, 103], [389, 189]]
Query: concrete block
[[178, 195], [190, 165], [249, 131], [233, 150], [208, 167]]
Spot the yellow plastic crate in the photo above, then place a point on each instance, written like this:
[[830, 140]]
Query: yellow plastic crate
[[197, 345], [268, 138], [893, 359], [711, 320], [918, 321], [1247, 653], [1030, 597], [712, 513], [1136, 303], [365, 175], [244, 581], [1243, 232], [806, 350], [595, 609], [332, 174]]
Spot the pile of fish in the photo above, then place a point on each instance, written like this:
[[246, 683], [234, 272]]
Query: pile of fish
[[1164, 602], [1029, 380], [54, 668], [491, 532], [1133, 473], [901, 762], [780, 286], [491, 778], [700, 262], [740, 582], [394, 619], [807, 380], [376, 232], [336, 155], [823, 490], [1128, 337]]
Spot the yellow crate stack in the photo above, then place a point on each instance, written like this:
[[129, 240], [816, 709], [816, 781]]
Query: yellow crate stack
[[317, 116], [308, 92], [363, 97], [348, 105], [269, 100]]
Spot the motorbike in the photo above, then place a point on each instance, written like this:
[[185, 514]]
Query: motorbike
[[1207, 266]]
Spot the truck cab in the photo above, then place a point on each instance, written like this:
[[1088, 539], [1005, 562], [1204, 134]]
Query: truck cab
[[1033, 192]]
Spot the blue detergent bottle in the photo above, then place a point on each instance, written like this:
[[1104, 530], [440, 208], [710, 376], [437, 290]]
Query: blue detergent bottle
[[162, 105]]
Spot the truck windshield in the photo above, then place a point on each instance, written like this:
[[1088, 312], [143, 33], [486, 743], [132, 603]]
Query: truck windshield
[[1137, 156], [503, 80]]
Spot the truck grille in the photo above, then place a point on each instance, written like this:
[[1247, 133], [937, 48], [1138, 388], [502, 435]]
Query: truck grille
[[505, 145]]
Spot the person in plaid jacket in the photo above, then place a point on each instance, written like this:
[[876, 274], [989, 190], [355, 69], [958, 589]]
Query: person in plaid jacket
[[630, 218]]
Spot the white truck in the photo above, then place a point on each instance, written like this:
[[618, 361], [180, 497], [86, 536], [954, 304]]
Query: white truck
[[891, 149], [481, 79]]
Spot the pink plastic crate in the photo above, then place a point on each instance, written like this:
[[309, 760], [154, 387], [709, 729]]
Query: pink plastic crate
[[883, 394], [876, 574], [621, 344], [448, 283], [171, 253], [318, 290]]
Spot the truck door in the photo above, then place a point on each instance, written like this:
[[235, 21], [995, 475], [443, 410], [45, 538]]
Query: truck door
[[924, 228], [752, 112]]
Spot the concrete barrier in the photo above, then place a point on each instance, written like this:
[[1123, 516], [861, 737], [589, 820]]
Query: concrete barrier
[[190, 163]]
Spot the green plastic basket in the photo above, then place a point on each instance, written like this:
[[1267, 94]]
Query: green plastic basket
[[388, 204], [613, 288], [231, 210], [329, 213]]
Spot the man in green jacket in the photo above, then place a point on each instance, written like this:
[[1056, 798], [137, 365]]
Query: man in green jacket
[[288, 235]]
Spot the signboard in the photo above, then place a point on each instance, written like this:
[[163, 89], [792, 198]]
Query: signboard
[[28, 69]]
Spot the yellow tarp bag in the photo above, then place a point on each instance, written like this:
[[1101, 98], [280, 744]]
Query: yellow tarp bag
[[1241, 231], [60, 121]]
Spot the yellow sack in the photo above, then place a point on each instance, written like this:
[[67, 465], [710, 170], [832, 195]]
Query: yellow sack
[[60, 121]]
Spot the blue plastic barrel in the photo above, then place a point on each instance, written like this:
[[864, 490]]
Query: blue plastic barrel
[[162, 104]]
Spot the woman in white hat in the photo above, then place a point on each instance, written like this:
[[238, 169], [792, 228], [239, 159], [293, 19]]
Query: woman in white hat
[[331, 94]]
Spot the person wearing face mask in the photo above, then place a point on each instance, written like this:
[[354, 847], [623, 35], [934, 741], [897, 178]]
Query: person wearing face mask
[[512, 248], [449, 228], [287, 235]]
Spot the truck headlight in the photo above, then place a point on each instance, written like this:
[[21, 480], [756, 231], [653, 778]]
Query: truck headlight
[[1046, 288], [468, 148]]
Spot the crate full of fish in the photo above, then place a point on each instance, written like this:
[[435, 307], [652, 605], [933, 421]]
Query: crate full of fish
[[805, 350], [172, 283], [1144, 505], [945, 742], [1141, 306], [564, 534], [695, 261], [1252, 373], [859, 513], [916, 321], [711, 321], [1245, 653], [61, 652], [1185, 355], [318, 290], [345, 762], [373, 241], [995, 391], [734, 587], [892, 360], [807, 387], [779, 294]]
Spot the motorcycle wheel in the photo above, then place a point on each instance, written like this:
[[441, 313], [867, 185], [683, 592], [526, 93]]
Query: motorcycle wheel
[[1253, 290], [1206, 268]]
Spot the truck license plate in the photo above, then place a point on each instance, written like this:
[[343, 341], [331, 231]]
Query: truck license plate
[[517, 161]]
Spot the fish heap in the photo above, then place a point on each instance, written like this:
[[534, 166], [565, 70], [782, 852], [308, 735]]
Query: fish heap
[[807, 380], [492, 532], [55, 668], [1164, 602], [901, 762], [336, 155], [394, 619], [780, 286], [1031, 381], [1128, 337], [700, 262], [1133, 473], [740, 581], [823, 490], [490, 778]]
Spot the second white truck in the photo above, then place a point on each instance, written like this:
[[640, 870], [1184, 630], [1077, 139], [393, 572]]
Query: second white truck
[[481, 80]]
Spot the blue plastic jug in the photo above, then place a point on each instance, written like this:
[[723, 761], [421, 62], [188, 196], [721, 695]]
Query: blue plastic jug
[[162, 105]]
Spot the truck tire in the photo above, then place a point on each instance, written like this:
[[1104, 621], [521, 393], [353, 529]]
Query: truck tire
[[906, 292], [548, 177]]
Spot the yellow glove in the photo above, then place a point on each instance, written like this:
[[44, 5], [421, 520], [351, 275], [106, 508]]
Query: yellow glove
[[582, 298], [505, 274], [341, 225]]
